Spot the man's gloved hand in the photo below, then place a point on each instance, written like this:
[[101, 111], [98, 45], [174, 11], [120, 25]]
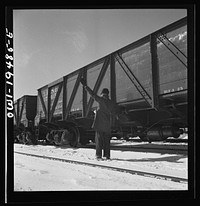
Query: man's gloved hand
[[83, 82]]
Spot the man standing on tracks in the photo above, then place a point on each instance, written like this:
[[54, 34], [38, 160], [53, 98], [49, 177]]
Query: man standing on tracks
[[102, 122]]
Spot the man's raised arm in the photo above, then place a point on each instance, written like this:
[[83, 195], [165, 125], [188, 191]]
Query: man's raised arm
[[90, 91]]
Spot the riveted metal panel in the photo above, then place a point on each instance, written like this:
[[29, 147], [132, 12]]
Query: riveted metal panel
[[173, 74], [42, 102], [139, 61]]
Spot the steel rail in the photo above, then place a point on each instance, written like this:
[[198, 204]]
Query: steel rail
[[140, 147], [133, 172]]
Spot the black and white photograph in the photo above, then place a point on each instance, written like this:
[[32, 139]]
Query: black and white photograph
[[98, 98]]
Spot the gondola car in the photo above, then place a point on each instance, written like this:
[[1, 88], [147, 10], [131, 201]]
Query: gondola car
[[147, 79]]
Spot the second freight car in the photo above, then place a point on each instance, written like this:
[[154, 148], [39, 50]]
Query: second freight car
[[24, 114]]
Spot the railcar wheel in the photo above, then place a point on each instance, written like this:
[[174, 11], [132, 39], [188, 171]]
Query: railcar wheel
[[24, 138], [65, 137], [20, 138], [49, 138], [28, 138], [57, 138], [73, 136], [16, 139]]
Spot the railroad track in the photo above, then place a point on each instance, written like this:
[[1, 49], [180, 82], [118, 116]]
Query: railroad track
[[147, 148], [133, 172]]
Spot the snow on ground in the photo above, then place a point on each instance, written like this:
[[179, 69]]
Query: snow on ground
[[34, 174]]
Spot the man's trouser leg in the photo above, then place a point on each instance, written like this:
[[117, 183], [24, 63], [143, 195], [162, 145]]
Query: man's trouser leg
[[99, 143], [106, 144]]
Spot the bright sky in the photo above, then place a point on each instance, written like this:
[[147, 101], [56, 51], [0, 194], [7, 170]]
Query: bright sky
[[49, 44]]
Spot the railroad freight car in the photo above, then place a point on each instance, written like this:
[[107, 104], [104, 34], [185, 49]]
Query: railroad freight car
[[25, 109], [147, 79]]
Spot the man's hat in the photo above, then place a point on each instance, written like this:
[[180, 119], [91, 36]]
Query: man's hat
[[105, 91]]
